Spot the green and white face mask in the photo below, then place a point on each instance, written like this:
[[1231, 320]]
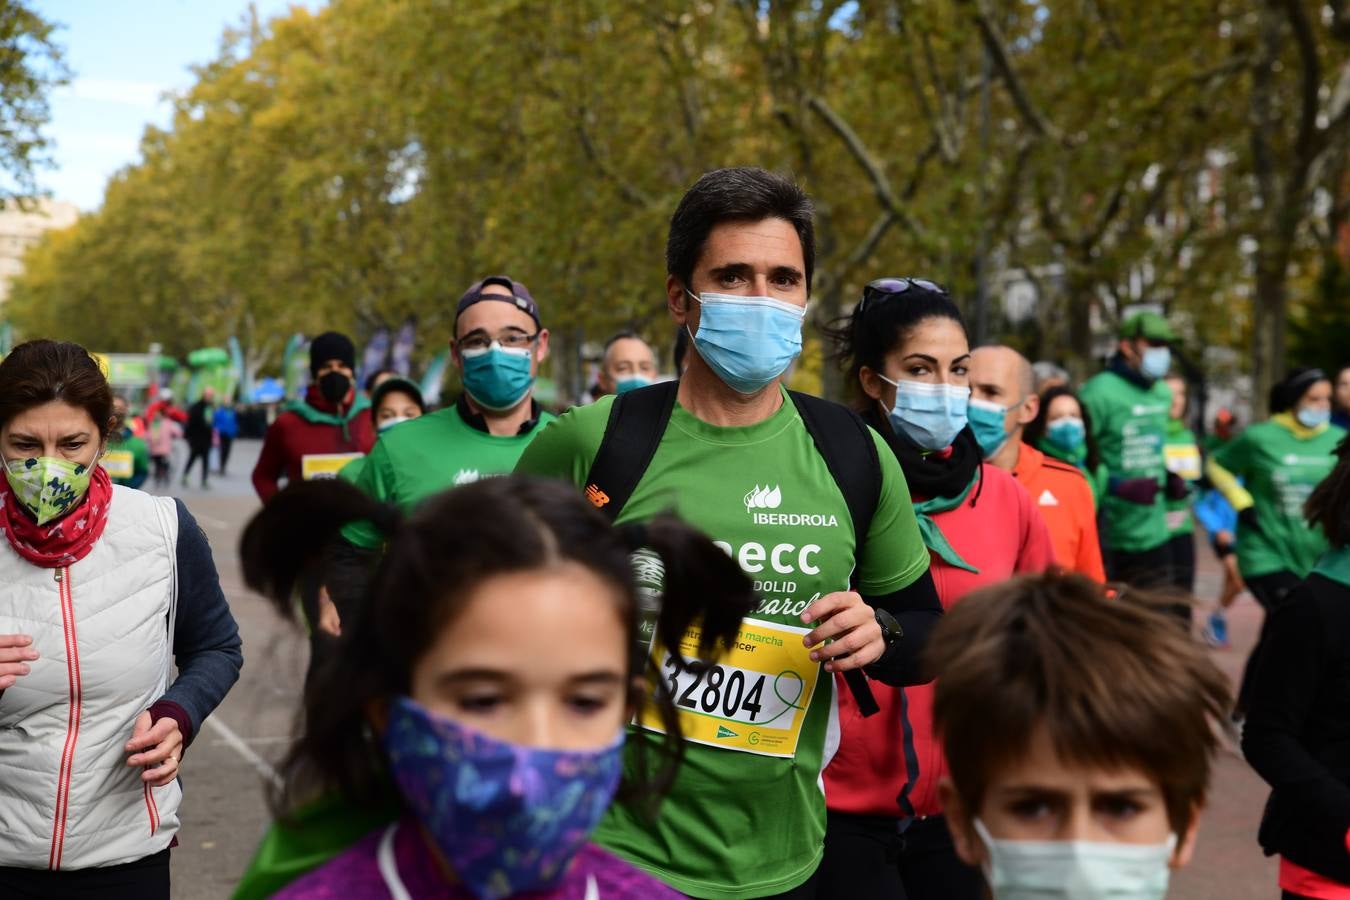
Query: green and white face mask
[[48, 486]]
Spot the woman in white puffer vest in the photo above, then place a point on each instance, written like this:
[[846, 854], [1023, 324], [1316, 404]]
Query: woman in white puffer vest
[[102, 590]]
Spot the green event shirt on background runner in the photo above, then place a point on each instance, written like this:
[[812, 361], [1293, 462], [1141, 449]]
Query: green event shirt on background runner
[[429, 454], [1181, 453], [1129, 423], [1280, 469], [739, 824]]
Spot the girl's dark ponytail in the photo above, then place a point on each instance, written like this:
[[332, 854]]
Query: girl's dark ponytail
[[703, 586], [292, 531]]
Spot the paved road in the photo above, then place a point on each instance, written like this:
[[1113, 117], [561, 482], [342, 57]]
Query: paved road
[[225, 811]]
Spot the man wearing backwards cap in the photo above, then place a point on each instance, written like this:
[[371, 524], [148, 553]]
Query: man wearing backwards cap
[[499, 345], [1129, 404], [325, 423]]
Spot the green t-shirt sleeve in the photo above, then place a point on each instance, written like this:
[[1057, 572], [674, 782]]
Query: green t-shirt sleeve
[[566, 447], [1236, 456], [375, 477], [894, 556], [351, 472]]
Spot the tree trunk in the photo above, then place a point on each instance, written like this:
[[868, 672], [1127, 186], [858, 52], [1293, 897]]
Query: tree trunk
[[1268, 328], [1079, 297], [832, 385]]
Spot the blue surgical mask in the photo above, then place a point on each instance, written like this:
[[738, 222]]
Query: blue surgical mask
[[631, 383], [1156, 362], [930, 415], [1076, 870], [1312, 418], [1068, 434], [986, 421], [497, 377], [509, 819], [748, 341]]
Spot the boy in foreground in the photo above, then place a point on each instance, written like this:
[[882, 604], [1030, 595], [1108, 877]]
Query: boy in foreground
[[1078, 731]]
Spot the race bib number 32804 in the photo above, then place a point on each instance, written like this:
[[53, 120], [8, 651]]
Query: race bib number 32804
[[753, 700]]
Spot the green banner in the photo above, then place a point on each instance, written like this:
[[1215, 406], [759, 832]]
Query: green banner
[[125, 369]]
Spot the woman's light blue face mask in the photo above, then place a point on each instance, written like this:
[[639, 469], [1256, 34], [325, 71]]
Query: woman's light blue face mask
[[930, 415]]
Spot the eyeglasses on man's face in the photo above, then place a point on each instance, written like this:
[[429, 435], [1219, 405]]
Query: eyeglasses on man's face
[[511, 339]]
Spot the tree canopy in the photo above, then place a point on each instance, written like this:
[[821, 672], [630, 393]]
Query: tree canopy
[[350, 167], [31, 65]]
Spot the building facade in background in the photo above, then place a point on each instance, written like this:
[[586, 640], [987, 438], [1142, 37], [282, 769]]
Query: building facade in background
[[20, 229]]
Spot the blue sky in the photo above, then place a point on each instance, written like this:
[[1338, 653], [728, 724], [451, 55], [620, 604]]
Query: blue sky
[[125, 54]]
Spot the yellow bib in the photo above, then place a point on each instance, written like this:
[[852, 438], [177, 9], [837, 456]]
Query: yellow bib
[[753, 700]]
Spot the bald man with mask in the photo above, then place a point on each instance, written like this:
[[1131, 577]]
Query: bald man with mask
[[628, 364], [1002, 403]]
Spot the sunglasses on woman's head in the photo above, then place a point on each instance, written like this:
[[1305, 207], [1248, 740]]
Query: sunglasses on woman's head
[[882, 288]]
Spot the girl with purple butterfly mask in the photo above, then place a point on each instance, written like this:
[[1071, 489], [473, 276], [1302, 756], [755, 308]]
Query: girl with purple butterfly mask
[[486, 683]]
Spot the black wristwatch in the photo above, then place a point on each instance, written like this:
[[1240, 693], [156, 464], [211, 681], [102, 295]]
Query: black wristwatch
[[891, 633]]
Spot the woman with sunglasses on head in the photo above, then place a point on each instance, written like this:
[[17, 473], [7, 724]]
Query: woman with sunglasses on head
[[906, 351], [484, 687]]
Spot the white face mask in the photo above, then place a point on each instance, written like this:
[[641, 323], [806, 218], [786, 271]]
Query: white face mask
[[1076, 870], [390, 423]]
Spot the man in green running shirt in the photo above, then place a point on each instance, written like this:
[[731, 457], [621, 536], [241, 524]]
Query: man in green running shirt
[[1129, 405], [499, 345], [746, 815]]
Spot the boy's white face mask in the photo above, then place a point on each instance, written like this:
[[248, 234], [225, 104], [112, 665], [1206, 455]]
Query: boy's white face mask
[[1076, 870]]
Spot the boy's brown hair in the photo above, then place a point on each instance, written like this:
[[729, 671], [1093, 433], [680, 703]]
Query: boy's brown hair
[[1115, 684]]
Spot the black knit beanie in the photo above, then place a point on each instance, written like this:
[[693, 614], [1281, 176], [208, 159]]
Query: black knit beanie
[[331, 345]]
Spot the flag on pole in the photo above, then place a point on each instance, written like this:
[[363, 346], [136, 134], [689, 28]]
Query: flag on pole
[[432, 378], [401, 355], [373, 359], [295, 365]]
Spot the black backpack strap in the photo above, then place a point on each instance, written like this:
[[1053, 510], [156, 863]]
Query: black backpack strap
[[636, 422], [844, 439]]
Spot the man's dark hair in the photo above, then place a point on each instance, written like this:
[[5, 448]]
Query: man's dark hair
[[739, 194]]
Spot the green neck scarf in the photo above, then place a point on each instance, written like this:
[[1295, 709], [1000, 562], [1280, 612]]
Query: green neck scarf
[[933, 537], [319, 417], [1335, 564], [1078, 458]]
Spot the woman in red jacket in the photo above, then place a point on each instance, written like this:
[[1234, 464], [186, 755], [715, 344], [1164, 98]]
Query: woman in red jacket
[[906, 350]]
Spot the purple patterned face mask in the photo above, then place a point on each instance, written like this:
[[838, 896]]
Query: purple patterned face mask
[[508, 819]]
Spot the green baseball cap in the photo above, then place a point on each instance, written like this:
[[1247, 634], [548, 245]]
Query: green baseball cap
[[1147, 325]]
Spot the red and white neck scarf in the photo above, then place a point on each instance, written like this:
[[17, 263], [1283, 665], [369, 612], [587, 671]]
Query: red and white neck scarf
[[68, 539]]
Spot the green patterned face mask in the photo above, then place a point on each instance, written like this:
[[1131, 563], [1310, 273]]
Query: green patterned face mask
[[48, 486]]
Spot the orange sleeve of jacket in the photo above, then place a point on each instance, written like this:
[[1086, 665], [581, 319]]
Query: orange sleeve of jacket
[[1089, 561], [1078, 517]]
